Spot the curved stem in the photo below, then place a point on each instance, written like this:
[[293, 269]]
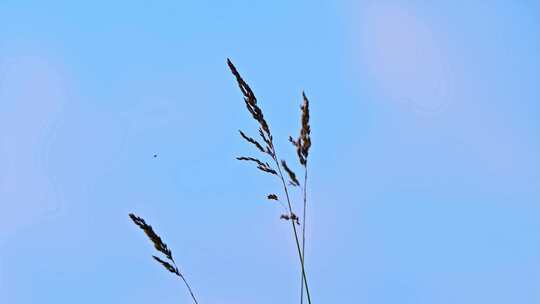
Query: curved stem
[[185, 282], [189, 288]]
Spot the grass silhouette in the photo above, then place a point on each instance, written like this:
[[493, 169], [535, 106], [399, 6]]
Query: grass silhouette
[[273, 166]]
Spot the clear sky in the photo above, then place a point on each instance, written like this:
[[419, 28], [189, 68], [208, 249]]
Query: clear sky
[[425, 164]]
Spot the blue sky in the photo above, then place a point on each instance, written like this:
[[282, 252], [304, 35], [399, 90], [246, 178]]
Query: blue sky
[[425, 165]]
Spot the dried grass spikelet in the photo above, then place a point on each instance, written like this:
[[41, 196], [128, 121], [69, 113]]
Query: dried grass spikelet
[[156, 240], [291, 217], [303, 143], [167, 265], [252, 141], [272, 197], [306, 129], [269, 149], [159, 245], [251, 105], [293, 180], [265, 167]]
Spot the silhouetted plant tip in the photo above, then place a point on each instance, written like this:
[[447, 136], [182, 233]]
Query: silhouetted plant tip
[[306, 129], [303, 142], [154, 238], [160, 246], [251, 104]]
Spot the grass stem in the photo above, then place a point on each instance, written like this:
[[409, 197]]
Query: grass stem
[[295, 232], [304, 232], [189, 289]]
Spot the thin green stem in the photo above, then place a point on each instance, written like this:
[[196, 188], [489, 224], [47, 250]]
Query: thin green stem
[[304, 231], [185, 282], [295, 232], [189, 289]]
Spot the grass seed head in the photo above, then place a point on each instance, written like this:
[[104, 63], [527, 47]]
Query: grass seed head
[[293, 180], [154, 237]]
